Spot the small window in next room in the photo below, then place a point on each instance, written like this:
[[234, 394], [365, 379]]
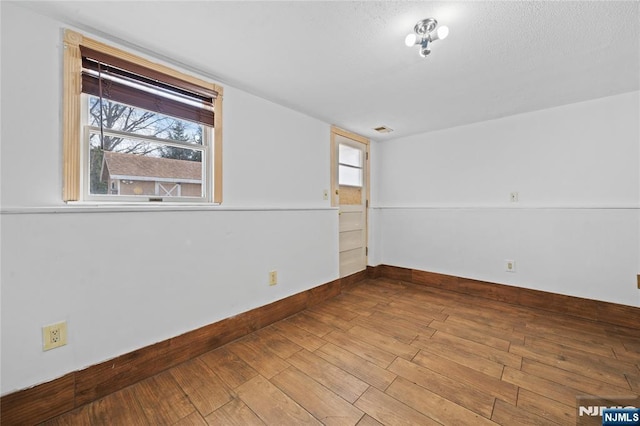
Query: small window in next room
[[137, 131]]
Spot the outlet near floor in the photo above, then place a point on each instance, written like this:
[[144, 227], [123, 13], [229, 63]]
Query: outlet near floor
[[510, 265], [54, 335], [273, 277]]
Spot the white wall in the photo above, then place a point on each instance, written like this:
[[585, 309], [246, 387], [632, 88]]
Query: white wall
[[443, 200], [440, 204], [124, 280]]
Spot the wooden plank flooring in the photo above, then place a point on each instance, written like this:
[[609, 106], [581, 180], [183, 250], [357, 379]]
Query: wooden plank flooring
[[391, 353]]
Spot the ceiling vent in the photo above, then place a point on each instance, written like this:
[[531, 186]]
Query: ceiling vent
[[383, 129]]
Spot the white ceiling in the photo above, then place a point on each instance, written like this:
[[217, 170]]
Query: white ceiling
[[346, 63]]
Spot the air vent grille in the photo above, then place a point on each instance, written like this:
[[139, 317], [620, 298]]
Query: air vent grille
[[383, 129]]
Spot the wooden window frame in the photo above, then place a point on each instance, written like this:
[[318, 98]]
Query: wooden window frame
[[72, 121]]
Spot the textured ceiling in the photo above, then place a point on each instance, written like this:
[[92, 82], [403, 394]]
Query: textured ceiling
[[346, 63]]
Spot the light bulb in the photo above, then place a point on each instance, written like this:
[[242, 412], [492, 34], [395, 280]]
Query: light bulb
[[410, 40], [442, 32]]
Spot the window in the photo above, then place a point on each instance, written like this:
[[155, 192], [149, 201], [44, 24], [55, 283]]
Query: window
[[137, 131], [350, 166]]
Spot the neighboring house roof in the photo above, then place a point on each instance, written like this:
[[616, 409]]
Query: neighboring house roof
[[139, 167]]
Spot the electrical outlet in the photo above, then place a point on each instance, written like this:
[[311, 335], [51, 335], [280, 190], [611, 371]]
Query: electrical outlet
[[54, 336], [514, 197], [510, 265], [273, 277]]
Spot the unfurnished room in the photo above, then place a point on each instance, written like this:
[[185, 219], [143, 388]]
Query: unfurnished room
[[320, 212]]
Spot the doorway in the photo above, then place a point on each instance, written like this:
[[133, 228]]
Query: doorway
[[350, 189]]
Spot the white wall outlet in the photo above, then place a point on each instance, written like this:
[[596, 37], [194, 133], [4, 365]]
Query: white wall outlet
[[273, 277], [510, 265], [514, 197], [54, 335], [325, 194]]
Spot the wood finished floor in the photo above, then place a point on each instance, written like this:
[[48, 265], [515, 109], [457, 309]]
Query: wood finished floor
[[390, 353]]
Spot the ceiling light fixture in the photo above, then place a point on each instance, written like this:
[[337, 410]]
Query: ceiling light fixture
[[424, 34]]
